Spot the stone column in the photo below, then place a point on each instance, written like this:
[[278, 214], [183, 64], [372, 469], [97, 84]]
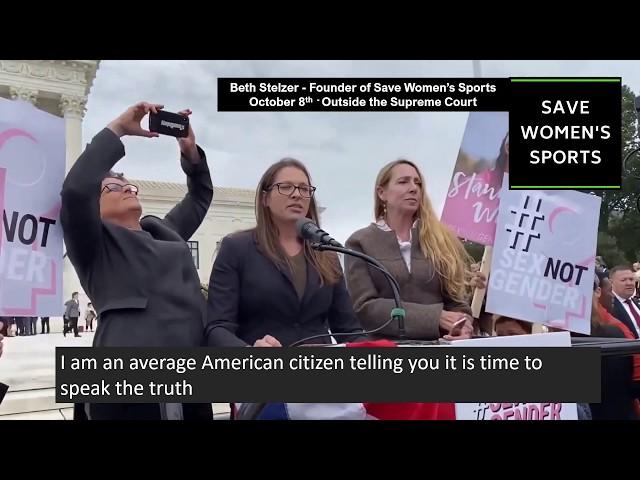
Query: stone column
[[73, 108], [23, 93]]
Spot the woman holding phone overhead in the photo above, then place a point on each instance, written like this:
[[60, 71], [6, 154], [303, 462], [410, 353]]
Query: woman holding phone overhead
[[268, 288], [137, 271], [427, 260]]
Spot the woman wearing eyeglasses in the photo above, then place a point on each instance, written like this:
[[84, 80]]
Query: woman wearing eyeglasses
[[268, 288], [138, 272]]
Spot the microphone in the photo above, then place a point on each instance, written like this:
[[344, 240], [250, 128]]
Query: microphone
[[307, 230], [321, 240]]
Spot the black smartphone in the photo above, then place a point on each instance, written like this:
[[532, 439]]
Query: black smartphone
[[167, 123]]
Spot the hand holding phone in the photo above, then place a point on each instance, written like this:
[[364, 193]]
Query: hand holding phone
[[128, 123], [168, 123]]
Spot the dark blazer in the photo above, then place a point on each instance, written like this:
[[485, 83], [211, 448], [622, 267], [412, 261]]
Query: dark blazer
[[142, 283], [250, 297], [621, 314]]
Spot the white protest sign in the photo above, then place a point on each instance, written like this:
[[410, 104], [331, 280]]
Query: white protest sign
[[32, 166], [518, 411], [544, 257]]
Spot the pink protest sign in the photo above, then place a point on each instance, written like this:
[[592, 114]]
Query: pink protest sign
[[471, 205]]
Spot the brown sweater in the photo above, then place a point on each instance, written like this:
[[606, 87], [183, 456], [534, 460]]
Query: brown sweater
[[420, 290]]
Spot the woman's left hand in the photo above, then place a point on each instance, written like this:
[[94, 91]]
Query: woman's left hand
[[461, 330]]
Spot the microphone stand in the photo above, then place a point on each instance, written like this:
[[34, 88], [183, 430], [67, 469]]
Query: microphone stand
[[397, 313]]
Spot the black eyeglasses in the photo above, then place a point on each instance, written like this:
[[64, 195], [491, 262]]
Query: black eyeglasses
[[117, 187], [287, 189]]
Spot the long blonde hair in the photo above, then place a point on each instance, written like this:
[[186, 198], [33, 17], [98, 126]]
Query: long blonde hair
[[438, 244], [266, 231]]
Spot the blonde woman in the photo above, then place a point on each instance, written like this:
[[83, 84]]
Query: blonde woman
[[428, 261]]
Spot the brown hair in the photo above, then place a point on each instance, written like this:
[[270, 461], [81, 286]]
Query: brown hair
[[266, 231], [438, 244], [498, 319]]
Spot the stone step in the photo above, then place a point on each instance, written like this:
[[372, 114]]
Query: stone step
[[40, 404], [27, 401], [44, 415]]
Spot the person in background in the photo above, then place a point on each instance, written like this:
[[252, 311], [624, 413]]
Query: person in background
[[268, 287], [10, 326], [44, 321], [603, 295], [22, 326], [507, 326], [606, 292], [483, 323], [71, 313], [428, 261], [33, 325], [617, 400], [636, 277], [4, 330], [89, 316], [625, 308], [604, 304], [600, 265]]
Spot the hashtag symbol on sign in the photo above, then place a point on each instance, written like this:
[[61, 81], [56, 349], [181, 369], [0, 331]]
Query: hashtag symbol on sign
[[481, 411], [524, 225]]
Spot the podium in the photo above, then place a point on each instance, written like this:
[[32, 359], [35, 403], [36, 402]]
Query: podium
[[609, 347]]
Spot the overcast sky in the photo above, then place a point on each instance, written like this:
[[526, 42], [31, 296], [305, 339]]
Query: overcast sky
[[343, 151]]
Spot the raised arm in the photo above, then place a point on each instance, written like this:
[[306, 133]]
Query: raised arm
[[186, 216], [80, 211]]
